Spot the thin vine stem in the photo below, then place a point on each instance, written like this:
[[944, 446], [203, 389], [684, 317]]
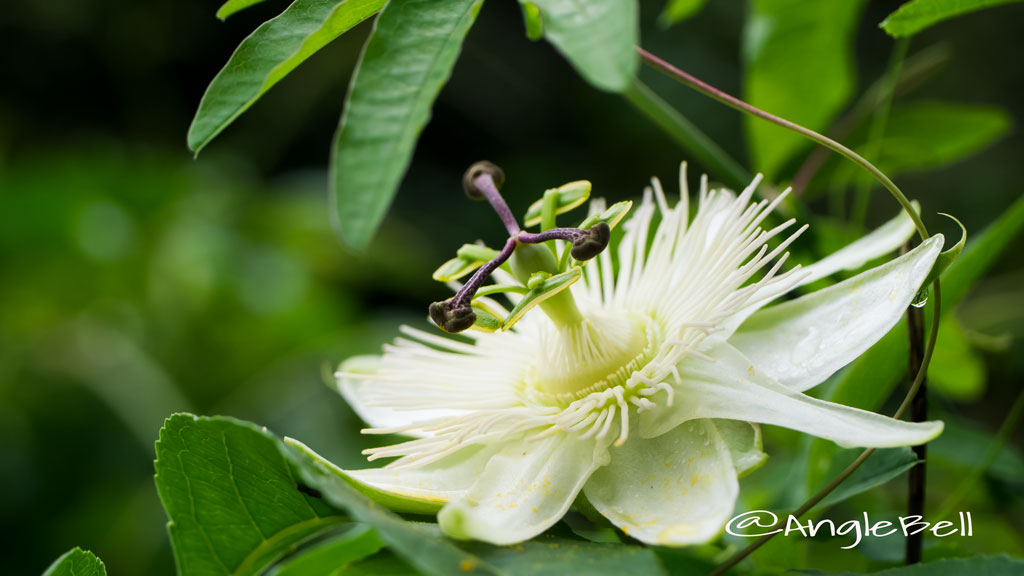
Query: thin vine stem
[[733, 102], [917, 69], [737, 104], [916, 486]]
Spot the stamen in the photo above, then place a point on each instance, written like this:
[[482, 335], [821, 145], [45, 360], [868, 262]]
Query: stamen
[[624, 419], [610, 412], [585, 243], [456, 314]]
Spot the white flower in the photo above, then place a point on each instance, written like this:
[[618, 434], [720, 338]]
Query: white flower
[[650, 405]]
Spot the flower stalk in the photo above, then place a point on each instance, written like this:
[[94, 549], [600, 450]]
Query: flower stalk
[[918, 413]]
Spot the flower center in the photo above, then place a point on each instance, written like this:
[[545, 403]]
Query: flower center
[[600, 352]]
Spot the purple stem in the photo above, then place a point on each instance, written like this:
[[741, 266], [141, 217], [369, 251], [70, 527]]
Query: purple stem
[[465, 294], [567, 234], [485, 184]]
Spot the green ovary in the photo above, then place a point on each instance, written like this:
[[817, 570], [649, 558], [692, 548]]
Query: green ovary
[[600, 352]]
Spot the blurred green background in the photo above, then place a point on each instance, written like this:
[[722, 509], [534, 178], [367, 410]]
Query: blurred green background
[[136, 281]]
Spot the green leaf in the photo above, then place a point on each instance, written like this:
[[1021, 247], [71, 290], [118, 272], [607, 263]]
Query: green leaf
[[231, 6], [882, 466], [956, 370], [963, 445], [678, 10], [421, 545], [598, 37], [77, 562], [532, 20], [549, 555], [333, 556], [928, 135], [233, 502], [406, 61], [976, 566], [799, 65], [383, 564], [268, 55], [542, 556], [917, 15]]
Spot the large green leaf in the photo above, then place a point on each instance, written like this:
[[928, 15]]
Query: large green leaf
[[956, 370], [917, 15], [599, 38], [383, 564], [419, 544], [333, 556], [927, 135], [550, 555], [977, 566], [872, 378], [963, 445], [799, 65], [676, 11], [268, 55], [407, 60], [882, 466], [231, 6], [77, 562], [233, 502]]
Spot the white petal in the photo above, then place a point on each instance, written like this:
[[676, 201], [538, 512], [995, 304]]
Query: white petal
[[730, 387], [424, 489], [885, 239], [525, 489], [744, 442], [802, 342], [354, 389], [677, 489]]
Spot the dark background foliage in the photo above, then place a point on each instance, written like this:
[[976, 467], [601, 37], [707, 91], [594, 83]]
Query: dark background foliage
[[136, 281]]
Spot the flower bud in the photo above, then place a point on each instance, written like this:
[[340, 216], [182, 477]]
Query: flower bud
[[452, 320], [593, 243], [475, 171]]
